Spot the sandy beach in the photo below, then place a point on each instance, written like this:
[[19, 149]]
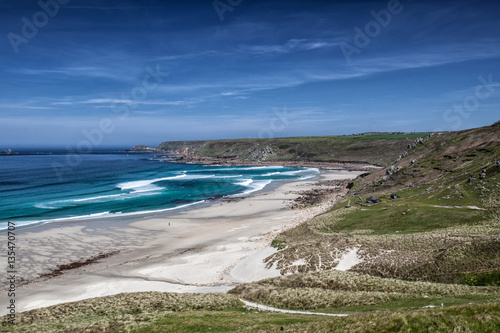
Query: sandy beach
[[204, 249]]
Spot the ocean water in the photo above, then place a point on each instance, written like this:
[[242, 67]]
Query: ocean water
[[48, 186]]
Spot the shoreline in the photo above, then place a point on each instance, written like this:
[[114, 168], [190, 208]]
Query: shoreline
[[131, 216], [203, 249], [231, 161]]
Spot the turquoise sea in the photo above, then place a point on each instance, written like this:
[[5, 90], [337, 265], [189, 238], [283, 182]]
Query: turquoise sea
[[45, 186]]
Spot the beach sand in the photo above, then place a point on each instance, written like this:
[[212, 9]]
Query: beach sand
[[207, 249]]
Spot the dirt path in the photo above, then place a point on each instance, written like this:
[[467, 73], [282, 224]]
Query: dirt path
[[468, 207], [263, 307]]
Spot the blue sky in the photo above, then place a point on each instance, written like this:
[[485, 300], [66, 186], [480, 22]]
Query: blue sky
[[142, 72]]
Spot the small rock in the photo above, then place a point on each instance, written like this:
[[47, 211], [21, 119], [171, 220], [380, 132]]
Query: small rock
[[372, 200], [391, 170]]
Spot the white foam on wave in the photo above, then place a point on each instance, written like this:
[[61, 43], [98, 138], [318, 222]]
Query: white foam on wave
[[246, 168], [45, 205], [64, 219], [296, 172], [263, 167], [192, 177], [58, 204], [236, 176], [271, 174], [134, 189], [291, 173], [161, 210], [98, 198], [253, 186], [146, 185], [102, 215], [245, 182]]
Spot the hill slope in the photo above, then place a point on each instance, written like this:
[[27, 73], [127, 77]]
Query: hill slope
[[443, 226], [378, 149]]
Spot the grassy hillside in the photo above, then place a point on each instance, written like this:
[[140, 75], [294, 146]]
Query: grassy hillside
[[443, 227], [118, 313], [450, 158], [166, 312], [337, 291], [377, 149]]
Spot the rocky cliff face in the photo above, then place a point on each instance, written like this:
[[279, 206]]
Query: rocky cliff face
[[377, 150], [186, 148], [7, 152]]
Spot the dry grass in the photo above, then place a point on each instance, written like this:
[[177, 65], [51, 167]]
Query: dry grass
[[336, 289], [466, 318], [491, 203], [439, 256], [475, 318], [114, 313], [356, 282]]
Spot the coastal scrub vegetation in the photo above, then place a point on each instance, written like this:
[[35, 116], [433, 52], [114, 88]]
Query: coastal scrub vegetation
[[465, 318], [167, 312], [333, 290], [117, 313]]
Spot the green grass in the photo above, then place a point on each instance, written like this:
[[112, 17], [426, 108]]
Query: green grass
[[418, 302], [403, 218], [413, 237], [475, 317], [334, 291], [482, 317], [345, 138], [116, 313], [482, 279], [226, 321], [441, 255], [393, 136]]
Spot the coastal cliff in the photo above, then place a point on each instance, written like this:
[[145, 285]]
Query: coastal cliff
[[378, 149]]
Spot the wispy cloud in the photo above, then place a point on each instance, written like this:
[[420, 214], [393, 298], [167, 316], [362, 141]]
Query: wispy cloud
[[251, 50], [292, 45], [75, 71], [113, 101]]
